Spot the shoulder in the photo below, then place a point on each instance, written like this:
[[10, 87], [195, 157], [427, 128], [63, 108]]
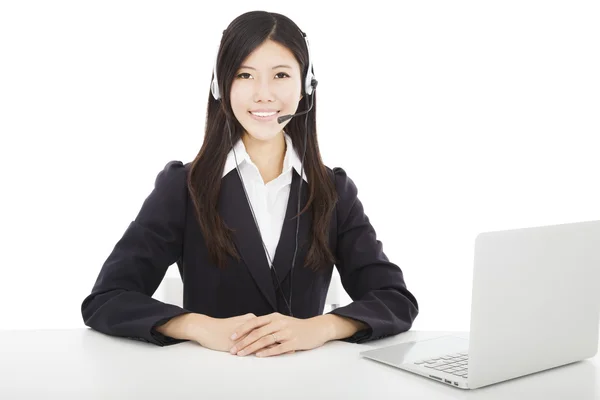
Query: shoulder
[[167, 200], [344, 185], [347, 193], [174, 173], [171, 181]]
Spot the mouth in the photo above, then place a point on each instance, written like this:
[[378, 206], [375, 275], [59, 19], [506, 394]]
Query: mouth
[[264, 115]]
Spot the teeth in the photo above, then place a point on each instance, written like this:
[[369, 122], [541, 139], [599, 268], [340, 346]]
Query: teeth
[[263, 114]]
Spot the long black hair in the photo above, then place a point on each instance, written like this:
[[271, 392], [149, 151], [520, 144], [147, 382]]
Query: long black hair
[[243, 35]]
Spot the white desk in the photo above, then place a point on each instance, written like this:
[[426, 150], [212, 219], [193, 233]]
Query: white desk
[[84, 364]]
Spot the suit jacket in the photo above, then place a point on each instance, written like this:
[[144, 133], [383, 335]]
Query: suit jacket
[[165, 232]]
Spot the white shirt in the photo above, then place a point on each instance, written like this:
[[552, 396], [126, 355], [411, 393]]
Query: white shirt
[[269, 201]]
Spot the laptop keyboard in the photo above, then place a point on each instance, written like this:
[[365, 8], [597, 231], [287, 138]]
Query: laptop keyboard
[[455, 364]]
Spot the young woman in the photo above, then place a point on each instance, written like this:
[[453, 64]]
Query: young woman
[[255, 275]]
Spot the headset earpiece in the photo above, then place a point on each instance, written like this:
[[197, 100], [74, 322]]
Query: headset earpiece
[[309, 86], [214, 85]]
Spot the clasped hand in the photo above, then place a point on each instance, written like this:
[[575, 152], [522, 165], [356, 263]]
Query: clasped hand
[[276, 334]]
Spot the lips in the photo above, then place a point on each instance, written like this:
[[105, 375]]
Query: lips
[[263, 115]]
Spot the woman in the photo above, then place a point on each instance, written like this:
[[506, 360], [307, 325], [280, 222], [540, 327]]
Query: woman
[[255, 276]]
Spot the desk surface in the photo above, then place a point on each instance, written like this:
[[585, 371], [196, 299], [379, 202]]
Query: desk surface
[[84, 364]]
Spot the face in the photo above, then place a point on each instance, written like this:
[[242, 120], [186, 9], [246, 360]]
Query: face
[[267, 85]]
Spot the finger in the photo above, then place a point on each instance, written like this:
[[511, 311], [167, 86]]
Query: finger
[[242, 336], [243, 318], [233, 342], [283, 348], [248, 326], [289, 352], [275, 345], [263, 342], [269, 329], [258, 345]]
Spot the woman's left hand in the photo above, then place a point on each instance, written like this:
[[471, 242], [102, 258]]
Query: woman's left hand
[[276, 334]]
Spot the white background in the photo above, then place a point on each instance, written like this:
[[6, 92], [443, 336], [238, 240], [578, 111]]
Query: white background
[[452, 118]]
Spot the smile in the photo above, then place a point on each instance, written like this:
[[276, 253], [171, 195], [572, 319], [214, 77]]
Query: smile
[[264, 116]]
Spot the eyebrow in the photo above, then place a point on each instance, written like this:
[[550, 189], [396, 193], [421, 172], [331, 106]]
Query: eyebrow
[[275, 67]]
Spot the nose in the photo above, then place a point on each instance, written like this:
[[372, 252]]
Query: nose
[[262, 91]]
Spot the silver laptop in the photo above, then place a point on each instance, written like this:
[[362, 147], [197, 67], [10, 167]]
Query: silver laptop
[[535, 305]]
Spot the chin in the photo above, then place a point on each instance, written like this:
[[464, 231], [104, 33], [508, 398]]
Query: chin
[[263, 134]]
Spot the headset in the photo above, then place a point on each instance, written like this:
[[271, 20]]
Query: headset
[[310, 85]]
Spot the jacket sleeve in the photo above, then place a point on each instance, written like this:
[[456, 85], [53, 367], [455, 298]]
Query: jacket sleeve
[[120, 303], [376, 286]]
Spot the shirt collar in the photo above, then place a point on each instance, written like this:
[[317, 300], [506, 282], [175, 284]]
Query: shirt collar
[[290, 160]]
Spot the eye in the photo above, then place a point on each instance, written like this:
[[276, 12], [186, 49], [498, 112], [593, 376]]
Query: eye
[[284, 75], [243, 74]]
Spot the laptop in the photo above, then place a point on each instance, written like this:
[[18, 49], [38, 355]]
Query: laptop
[[535, 305]]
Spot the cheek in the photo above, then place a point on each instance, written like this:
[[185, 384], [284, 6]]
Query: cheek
[[238, 96], [290, 95]]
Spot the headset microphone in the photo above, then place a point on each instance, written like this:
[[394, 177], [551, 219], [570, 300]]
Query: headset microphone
[[284, 118]]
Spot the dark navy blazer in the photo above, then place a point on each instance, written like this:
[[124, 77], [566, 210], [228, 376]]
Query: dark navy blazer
[[165, 232]]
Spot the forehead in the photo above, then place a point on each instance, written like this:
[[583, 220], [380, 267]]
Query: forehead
[[269, 54]]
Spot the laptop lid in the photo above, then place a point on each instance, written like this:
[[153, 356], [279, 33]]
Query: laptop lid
[[535, 300]]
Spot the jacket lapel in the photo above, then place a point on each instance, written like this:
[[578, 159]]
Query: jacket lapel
[[287, 241], [236, 214]]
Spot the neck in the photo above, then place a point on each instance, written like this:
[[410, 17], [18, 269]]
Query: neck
[[267, 155]]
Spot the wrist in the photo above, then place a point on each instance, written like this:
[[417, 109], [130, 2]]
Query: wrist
[[327, 326], [337, 327], [187, 326], [195, 326]]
